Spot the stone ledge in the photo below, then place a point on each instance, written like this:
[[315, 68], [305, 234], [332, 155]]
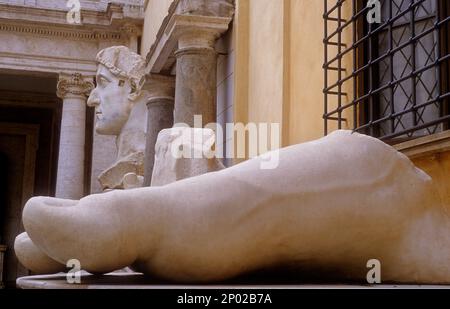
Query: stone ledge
[[427, 145], [138, 281], [106, 15]]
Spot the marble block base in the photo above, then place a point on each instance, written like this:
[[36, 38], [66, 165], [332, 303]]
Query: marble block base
[[139, 281]]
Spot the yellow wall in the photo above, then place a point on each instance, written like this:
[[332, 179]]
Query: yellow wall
[[155, 13], [279, 75], [241, 76], [261, 64], [266, 61], [438, 167], [306, 76]]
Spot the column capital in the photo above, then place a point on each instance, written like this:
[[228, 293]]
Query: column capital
[[200, 22], [190, 26], [198, 32], [74, 85], [217, 8]]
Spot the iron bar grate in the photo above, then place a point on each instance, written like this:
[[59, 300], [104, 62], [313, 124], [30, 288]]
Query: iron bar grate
[[387, 79]]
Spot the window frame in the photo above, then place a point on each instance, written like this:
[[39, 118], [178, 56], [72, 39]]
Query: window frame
[[363, 104]]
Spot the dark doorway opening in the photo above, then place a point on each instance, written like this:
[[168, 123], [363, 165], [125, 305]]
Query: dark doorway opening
[[30, 118]]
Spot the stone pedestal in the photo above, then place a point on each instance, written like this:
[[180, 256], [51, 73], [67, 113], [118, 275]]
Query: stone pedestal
[[160, 116], [73, 90], [134, 281]]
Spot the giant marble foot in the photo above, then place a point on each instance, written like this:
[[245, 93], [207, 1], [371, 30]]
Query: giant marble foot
[[33, 258], [332, 204]]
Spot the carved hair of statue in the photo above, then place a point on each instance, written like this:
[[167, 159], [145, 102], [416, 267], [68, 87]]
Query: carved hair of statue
[[124, 63], [121, 111]]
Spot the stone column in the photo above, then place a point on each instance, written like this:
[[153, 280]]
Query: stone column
[[73, 90], [160, 116], [196, 77], [197, 24]]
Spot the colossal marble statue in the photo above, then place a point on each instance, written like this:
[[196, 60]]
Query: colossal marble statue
[[330, 205], [120, 108]]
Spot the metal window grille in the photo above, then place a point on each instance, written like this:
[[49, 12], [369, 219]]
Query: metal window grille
[[387, 79]]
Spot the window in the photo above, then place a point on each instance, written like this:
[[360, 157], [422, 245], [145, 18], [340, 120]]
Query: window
[[391, 82]]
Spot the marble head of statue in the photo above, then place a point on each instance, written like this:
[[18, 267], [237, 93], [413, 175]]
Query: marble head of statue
[[119, 102]]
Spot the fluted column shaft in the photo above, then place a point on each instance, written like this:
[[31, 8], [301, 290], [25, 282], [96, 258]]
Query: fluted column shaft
[[73, 90]]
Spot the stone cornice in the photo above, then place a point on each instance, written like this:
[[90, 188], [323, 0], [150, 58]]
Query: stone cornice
[[183, 16], [217, 8], [40, 40], [61, 32], [47, 64], [61, 5], [74, 84], [109, 21], [425, 146]]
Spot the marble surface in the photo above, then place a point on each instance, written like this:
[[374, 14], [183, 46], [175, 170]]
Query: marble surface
[[325, 207], [189, 146], [139, 281]]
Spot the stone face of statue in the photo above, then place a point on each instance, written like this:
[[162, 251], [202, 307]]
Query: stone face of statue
[[113, 101], [120, 105]]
